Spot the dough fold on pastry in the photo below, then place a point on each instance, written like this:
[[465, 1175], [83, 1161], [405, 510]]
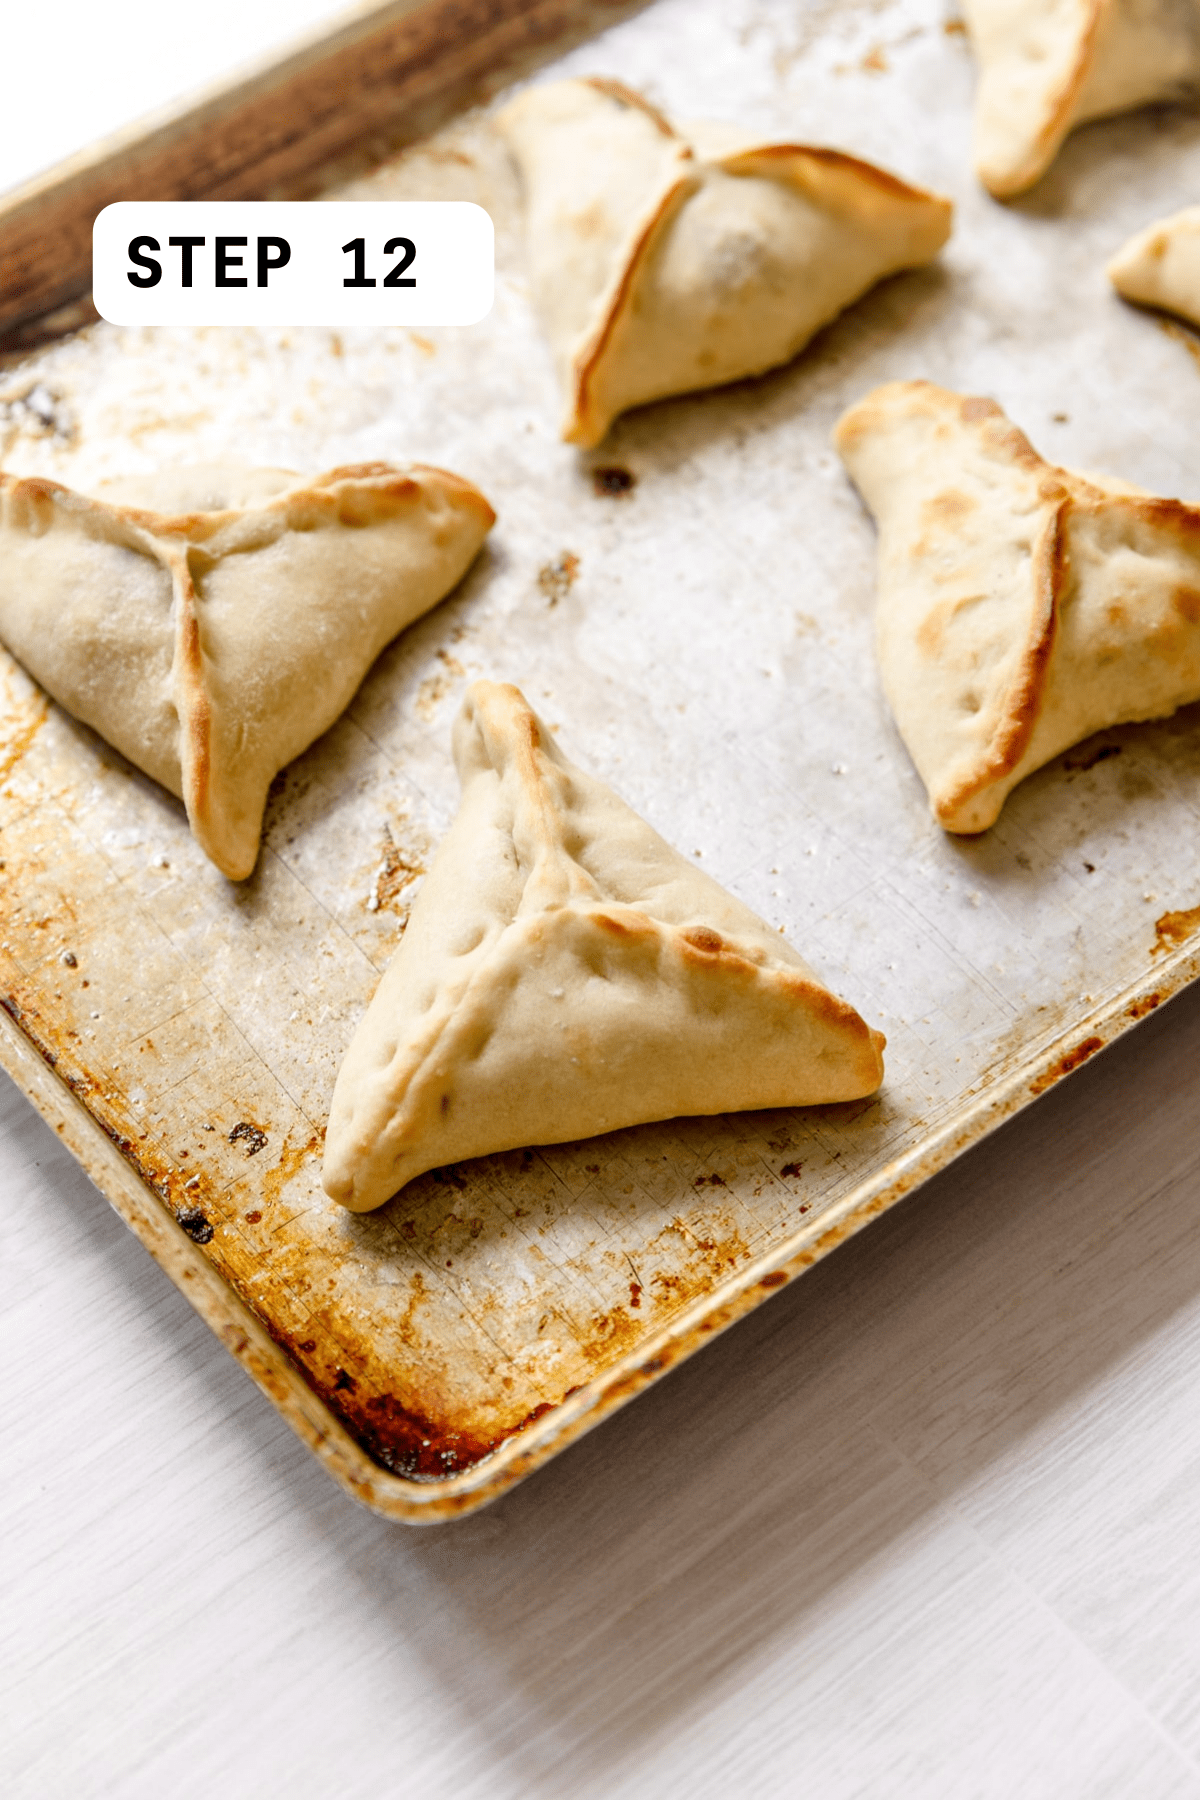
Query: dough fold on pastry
[[1161, 265], [1021, 607], [212, 622], [664, 260], [566, 972], [1046, 66]]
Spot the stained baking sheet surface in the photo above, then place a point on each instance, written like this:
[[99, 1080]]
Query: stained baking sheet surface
[[690, 609]]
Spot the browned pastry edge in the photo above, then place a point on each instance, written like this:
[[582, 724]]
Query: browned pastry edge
[[589, 359]]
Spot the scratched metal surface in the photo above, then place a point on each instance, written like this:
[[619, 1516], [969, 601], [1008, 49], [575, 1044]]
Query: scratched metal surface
[[702, 641]]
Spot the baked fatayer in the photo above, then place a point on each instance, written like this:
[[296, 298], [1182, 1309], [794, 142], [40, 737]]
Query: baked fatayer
[[1046, 66], [665, 259], [564, 972], [1160, 266], [212, 622], [1021, 607]]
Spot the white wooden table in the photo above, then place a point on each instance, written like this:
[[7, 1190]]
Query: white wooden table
[[927, 1525]]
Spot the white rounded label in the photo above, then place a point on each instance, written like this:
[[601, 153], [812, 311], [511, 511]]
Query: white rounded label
[[293, 262]]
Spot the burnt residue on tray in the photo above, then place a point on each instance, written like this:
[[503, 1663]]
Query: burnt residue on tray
[[1066, 1063], [612, 482], [197, 1224], [402, 1439], [416, 1447], [1175, 928], [408, 1444], [251, 1136]]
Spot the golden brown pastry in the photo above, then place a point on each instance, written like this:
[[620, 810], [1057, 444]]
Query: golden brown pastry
[[667, 259], [210, 623], [1046, 66], [1021, 607], [565, 972], [1161, 265]]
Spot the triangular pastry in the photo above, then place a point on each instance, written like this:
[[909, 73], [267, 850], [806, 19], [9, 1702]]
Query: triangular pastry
[[1046, 66], [211, 623], [1161, 265], [565, 972], [667, 259], [1021, 607]]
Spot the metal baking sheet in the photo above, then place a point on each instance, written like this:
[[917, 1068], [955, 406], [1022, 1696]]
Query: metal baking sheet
[[690, 607]]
